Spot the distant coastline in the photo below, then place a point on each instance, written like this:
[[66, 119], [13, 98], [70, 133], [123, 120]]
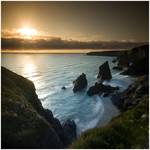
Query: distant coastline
[[62, 51]]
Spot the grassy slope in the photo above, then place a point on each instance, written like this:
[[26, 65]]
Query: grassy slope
[[22, 124], [129, 130]]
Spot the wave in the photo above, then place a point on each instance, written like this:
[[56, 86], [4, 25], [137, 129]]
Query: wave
[[43, 97], [119, 80], [97, 113]]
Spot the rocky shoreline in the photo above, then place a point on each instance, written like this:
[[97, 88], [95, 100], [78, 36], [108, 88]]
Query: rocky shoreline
[[32, 126], [133, 103]]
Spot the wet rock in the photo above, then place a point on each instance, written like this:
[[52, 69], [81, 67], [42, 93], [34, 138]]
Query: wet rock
[[100, 88], [80, 83], [117, 100], [69, 130], [63, 88], [48, 115], [104, 72], [132, 95], [114, 60], [118, 68], [106, 94]]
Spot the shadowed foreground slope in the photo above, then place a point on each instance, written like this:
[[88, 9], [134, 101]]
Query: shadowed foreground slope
[[25, 123]]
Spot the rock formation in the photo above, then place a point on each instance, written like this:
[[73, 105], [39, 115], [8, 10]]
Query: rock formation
[[63, 88], [119, 68], [100, 88], [132, 95], [80, 83], [137, 60], [25, 123], [104, 72], [70, 130]]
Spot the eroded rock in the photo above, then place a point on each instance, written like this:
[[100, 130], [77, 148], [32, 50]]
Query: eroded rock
[[101, 88], [104, 72], [80, 83]]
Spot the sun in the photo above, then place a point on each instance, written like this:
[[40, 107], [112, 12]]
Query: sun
[[27, 32]]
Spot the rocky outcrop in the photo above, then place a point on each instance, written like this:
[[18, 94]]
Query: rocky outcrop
[[70, 130], [132, 95], [25, 123], [80, 83], [136, 61], [114, 60], [100, 88], [119, 68], [131, 123], [63, 88], [104, 72], [130, 129], [123, 60]]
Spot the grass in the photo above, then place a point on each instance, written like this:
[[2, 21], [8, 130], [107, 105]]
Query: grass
[[23, 126], [129, 130]]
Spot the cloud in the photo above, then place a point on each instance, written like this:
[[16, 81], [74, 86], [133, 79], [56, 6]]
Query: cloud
[[11, 40]]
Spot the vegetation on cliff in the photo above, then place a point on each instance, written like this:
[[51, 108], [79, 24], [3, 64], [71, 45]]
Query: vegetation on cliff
[[131, 128], [25, 123]]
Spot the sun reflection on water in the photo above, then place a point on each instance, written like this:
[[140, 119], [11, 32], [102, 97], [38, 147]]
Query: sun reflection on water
[[30, 71], [29, 68]]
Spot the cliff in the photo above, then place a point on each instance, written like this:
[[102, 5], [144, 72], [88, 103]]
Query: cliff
[[136, 60], [129, 130], [25, 123]]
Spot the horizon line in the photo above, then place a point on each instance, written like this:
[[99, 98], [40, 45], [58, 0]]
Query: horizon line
[[75, 51]]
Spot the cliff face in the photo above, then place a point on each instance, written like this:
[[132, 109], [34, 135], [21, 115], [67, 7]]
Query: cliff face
[[25, 123], [137, 61]]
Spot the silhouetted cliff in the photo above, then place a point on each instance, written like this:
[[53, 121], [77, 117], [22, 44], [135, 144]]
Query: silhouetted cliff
[[25, 123]]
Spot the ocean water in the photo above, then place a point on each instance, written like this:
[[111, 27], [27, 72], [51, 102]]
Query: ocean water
[[50, 72]]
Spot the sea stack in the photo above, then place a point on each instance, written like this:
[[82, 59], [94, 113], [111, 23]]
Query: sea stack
[[80, 83], [104, 72]]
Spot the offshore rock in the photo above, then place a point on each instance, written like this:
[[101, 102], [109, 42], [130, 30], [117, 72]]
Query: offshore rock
[[99, 88], [80, 83], [63, 88], [104, 72]]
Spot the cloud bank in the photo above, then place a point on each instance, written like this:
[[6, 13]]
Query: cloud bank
[[12, 41], [58, 43]]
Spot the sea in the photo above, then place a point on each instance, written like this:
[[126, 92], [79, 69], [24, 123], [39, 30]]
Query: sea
[[50, 72]]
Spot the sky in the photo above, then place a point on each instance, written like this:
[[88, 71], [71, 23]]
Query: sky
[[78, 21]]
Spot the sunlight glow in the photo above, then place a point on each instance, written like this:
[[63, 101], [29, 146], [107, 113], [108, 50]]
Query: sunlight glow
[[27, 32], [29, 68]]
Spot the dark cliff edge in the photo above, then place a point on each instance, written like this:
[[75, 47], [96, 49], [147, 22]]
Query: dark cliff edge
[[25, 123], [129, 130], [107, 53]]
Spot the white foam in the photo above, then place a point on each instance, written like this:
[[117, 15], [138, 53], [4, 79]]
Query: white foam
[[122, 81], [69, 85], [97, 112]]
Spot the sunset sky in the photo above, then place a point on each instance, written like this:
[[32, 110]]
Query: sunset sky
[[85, 22]]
